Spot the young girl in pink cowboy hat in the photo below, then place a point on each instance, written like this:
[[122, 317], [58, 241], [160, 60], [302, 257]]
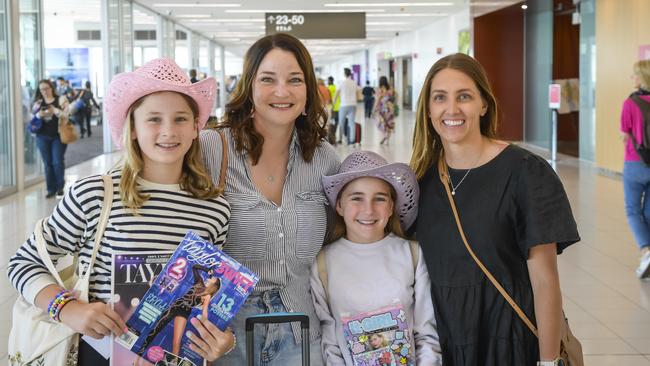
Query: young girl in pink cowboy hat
[[371, 283], [155, 115]]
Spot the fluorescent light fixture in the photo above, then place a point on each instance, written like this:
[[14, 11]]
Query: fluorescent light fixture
[[191, 16], [492, 3], [227, 20], [194, 5], [407, 15], [387, 23], [303, 11], [346, 5]]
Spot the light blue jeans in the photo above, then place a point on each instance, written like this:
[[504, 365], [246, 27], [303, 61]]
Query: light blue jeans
[[274, 344], [636, 189], [349, 112]]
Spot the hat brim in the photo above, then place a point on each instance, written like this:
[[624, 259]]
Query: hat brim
[[128, 87], [398, 175]]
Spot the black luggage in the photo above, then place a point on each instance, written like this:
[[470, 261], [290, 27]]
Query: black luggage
[[357, 132], [277, 318]]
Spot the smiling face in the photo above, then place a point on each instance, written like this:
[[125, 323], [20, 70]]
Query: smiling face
[[455, 107], [279, 90], [164, 127], [366, 206]]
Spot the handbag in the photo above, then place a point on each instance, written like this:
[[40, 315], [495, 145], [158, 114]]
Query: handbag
[[35, 124], [36, 339], [570, 347], [67, 131]]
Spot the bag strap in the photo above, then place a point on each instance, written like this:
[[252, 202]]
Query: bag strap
[[415, 254], [322, 272], [103, 219], [224, 161], [444, 179]]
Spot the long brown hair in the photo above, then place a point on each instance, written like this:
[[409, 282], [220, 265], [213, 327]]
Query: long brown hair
[[392, 226], [310, 127], [194, 177], [427, 145]]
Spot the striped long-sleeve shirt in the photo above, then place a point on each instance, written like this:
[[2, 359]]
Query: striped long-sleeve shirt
[[279, 243], [161, 224]]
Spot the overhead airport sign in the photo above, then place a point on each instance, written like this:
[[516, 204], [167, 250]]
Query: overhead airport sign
[[317, 25]]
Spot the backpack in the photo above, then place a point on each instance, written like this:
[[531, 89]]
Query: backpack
[[322, 265], [643, 149]]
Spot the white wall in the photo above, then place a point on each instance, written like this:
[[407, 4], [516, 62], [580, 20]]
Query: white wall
[[423, 42]]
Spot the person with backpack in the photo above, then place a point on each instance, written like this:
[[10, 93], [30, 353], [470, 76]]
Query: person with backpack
[[370, 273], [635, 126]]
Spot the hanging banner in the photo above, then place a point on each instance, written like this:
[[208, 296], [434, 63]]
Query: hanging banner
[[317, 25]]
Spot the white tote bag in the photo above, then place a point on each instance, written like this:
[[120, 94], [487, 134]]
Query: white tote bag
[[37, 340]]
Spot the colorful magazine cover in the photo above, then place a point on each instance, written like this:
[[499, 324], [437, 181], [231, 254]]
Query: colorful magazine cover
[[132, 275], [379, 338], [198, 280]]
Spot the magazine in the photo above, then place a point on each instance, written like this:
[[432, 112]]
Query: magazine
[[132, 276], [379, 338], [198, 280]]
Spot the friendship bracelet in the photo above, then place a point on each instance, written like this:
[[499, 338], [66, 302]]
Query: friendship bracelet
[[55, 306]]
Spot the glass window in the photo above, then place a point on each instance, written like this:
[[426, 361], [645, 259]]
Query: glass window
[[7, 167]]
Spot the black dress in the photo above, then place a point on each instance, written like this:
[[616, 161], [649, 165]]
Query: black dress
[[507, 206]]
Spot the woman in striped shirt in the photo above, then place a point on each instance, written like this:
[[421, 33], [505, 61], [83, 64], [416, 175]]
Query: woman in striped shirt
[[274, 127], [164, 192]]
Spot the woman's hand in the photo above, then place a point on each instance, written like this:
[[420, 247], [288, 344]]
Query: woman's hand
[[211, 343], [96, 319]]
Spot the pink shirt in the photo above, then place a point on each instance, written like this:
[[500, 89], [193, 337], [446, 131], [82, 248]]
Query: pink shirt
[[632, 121]]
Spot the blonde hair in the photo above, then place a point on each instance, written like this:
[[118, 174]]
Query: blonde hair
[[392, 226], [194, 177], [642, 69], [427, 145]]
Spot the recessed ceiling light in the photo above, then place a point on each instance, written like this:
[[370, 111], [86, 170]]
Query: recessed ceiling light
[[190, 16], [407, 15], [227, 20]]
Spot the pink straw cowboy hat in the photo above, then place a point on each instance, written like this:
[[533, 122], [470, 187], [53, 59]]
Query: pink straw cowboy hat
[[369, 164], [161, 74]]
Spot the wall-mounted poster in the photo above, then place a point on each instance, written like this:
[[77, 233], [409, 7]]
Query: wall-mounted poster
[[69, 63]]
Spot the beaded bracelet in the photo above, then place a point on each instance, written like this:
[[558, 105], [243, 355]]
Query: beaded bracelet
[[55, 306], [234, 342]]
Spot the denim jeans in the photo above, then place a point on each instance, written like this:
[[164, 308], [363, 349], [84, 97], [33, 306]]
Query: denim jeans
[[636, 189], [274, 344], [52, 151], [348, 112]]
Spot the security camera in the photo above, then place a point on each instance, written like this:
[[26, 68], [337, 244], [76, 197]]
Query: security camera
[[396, 34]]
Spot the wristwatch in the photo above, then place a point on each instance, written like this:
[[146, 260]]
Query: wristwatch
[[556, 362]]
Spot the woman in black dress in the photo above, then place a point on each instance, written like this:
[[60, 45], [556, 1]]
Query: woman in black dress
[[516, 217]]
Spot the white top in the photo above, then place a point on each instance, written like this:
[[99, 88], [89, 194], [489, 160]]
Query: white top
[[367, 277], [348, 92]]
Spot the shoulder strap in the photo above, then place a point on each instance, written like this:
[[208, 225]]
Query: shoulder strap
[[415, 254], [224, 161], [322, 272], [444, 179], [644, 107], [103, 219]]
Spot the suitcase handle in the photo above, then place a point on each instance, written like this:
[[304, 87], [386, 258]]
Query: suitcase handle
[[272, 318], [277, 318]]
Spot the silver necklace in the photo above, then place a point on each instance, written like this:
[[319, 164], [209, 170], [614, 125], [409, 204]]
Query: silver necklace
[[454, 188], [270, 179]]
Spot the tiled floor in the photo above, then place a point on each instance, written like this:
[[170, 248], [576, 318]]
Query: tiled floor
[[608, 308]]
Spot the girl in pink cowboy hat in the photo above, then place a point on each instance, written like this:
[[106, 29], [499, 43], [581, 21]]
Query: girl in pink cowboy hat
[[371, 283], [155, 115]]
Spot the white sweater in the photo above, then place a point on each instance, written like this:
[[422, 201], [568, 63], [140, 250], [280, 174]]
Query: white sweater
[[367, 277]]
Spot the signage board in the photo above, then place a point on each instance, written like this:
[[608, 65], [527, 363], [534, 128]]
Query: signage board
[[317, 25], [554, 96]]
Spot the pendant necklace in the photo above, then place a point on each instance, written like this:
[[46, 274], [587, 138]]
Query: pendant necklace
[[454, 188], [270, 179]]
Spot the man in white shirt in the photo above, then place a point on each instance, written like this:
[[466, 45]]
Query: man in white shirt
[[348, 92]]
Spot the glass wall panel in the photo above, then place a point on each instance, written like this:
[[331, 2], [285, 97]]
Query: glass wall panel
[[181, 48], [145, 47], [31, 61], [7, 163], [204, 53]]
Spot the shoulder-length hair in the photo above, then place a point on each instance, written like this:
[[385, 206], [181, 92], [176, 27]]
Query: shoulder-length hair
[[642, 69], [310, 127], [39, 96], [427, 145], [194, 177]]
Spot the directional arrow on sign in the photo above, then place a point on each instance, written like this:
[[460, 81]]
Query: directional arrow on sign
[[271, 19]]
